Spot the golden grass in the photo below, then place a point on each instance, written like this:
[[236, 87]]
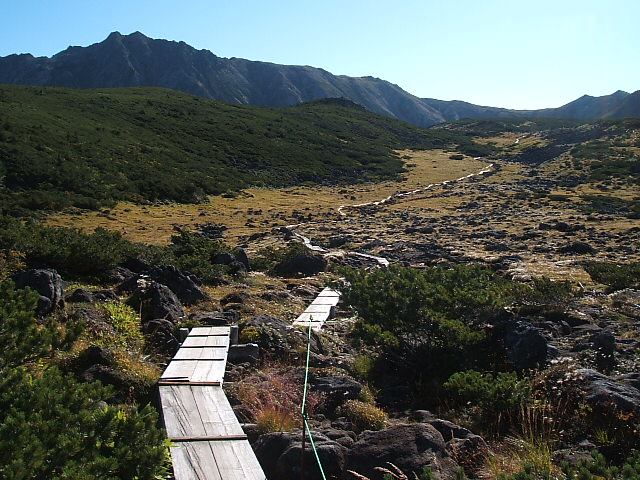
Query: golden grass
[[153, 224]]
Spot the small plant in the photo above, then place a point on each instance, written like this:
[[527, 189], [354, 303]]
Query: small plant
[[273, 398], [126, 322], [249, 335], [493, 401], [363, 416]]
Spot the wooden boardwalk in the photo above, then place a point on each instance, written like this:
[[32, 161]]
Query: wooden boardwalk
[[319, 311], [209, 443]]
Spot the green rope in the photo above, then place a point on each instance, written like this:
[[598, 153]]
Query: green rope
[[306, 370], [304, 402], [313, 447]]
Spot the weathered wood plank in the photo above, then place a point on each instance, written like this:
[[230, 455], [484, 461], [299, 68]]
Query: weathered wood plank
[[214, 341], [202, 353], [207, 371], [315, 308], [236, 461], [194, 461], [216, 413], [314, 317], [181, 412], [209, 331], [329, 292], [178, 370], [333, 301]]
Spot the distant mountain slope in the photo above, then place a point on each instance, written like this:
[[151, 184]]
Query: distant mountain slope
[[86, 147], [629, 107], [587, 107], [136, 60]]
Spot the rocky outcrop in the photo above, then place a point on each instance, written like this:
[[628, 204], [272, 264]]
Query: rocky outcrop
[[410, 447], [279, 455], [47, 283], [525, 345], [154, 301], [185, 287], [304, 265]]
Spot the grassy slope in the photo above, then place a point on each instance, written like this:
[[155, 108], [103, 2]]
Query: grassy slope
[[61, 147]]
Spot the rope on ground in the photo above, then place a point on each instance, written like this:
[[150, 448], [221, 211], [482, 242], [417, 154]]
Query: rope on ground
[[304, 403]]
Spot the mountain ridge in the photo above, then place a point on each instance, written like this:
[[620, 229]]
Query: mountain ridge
[[138, 60]]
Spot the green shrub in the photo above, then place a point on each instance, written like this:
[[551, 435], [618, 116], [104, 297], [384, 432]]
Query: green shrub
[[426, 324], [68, 250], [493, 402], [22, 338], [193, 253], [268, 257], [363, 416], [616, 276], [51, 426], [126, 322]]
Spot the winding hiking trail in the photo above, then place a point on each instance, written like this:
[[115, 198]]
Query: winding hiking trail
[[382, 262]]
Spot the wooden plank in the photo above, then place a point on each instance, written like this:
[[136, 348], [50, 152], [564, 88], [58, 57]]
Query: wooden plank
[[236, 461], [202, 353], [315, 308], [328, 292], [209, 331], [168, 383], [211, 341], [194, 461], [315, 317], [206, 371], [181, 413], [178, 370], [333, 301], [209, 438], [216, 413]]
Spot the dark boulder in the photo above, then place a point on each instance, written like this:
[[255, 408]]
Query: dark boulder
[[223, 258], [409, 447], [577, 248], [279, 455], [466, 448], [47, 283], [81, 295], [105, 295], [95, 355], [526, 346], [103, 374], [336, 391], [305, 265], [241, 256], [181, 284], [118, 275], [156, 301], [278, 337], [605, 395], [216, 319], [184, 286], [235, 297], [160, 333]]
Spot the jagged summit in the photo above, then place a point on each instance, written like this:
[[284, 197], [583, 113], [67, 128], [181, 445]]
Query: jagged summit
[[137, 60]]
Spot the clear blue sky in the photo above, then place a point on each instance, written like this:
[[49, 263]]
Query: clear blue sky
[[516, 53]]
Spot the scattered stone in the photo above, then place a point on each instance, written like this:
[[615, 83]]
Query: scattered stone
[[577, 248], [305, 265], [526, 346], [279, 455], [410, 447], [47, 283], [160, 333], [156, 300], [336, 391]]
